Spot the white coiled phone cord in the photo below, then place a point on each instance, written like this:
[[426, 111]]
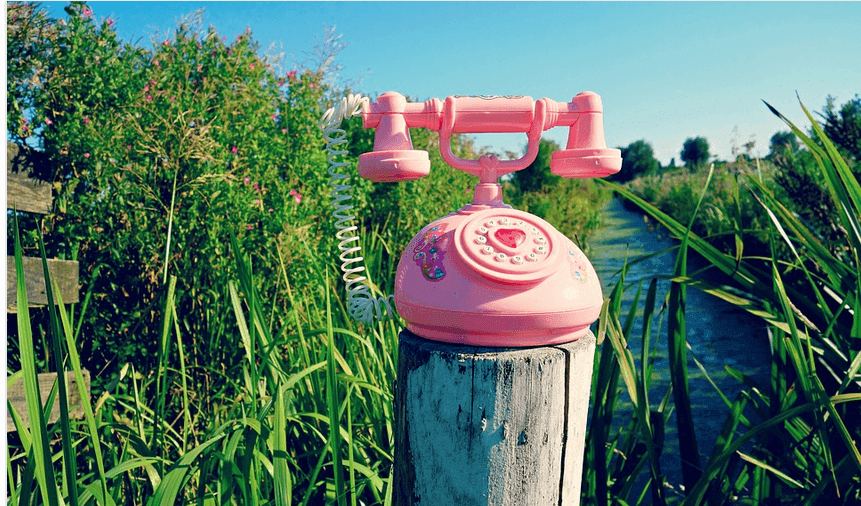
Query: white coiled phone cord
[[361, 305]]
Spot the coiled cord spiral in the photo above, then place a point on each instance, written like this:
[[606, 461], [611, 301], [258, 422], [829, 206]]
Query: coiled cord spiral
[[362, 306]]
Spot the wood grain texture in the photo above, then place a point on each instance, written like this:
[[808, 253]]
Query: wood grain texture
[[24, 189], [15, 396], [490, 426], [63, 272]]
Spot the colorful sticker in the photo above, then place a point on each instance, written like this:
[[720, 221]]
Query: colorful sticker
[[578, 264], [430, 253]]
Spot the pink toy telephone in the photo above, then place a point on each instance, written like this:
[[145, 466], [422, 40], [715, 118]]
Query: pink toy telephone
[[487, 274]]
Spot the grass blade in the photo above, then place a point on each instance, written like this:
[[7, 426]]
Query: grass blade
[[70, 468], [332, 404], [775, 471], [677, 334], [278, 437], [41, 453], [92, 426]]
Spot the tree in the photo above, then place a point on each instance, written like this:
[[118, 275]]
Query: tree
[[537, 175], [638, 159], [843, 126], [30, 34], [783, 143], [695, 152]]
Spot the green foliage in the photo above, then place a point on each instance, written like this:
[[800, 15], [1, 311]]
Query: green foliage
[[727, 208], [782, 143], [537, 176], [843, 127], [638, 159], [695, 152], [29, 40], [151, 151]]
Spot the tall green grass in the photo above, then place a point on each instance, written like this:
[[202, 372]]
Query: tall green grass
[[311, 423], [306, 417], [800, 433]]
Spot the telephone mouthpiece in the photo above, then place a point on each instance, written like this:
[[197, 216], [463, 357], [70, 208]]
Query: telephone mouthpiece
[[394, 165], [586, 162]]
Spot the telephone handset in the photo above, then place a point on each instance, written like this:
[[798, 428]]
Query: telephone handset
[[487, 274]]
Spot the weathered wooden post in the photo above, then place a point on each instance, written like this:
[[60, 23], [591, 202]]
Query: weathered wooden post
[[495, 426]]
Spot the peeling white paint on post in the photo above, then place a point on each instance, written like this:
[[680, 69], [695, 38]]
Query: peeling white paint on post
[[494, 426]]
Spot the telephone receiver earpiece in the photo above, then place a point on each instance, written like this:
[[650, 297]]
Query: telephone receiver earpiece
[[586, 154], [393, 158]]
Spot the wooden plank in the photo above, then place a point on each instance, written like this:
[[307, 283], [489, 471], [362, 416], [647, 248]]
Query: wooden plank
[[63, 272], [490, 426], [26, 189], [15, 395]]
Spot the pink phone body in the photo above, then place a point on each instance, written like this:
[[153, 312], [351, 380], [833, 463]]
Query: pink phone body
[[487, 274]]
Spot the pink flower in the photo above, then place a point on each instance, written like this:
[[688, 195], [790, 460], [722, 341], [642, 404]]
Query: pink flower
[[284, 130], [110, 22], [233, 149], [86, 120], [274, 117], [281, 82], [199, 68], [247, 179], [271, 210], [48, 121], [256, 201], [250, 227], [296, 196], [155, 62], [229, 52], [87, 12], [173, 99], [251, 66], [164, 43], [86, 155], [291, 74], [256, 187], [149, 97], [152, 82], [311, 85], [146, 88]]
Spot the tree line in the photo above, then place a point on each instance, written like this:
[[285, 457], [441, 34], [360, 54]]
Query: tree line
[[842, 124]]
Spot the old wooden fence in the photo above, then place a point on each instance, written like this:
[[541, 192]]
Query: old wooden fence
[[25, 192]]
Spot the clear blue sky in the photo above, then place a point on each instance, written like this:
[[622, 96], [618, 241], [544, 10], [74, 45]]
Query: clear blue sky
[[665, 71]]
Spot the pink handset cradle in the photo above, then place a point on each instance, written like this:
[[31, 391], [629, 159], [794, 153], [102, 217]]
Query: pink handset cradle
[[487, 274]]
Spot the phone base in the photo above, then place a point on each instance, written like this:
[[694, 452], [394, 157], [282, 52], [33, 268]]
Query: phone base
[[560, 336], [394, 165]]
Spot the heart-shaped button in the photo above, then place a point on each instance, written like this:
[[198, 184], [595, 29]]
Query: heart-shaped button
[[511, 237]]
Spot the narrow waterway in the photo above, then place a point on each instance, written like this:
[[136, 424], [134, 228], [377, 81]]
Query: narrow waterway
[[718, 332]]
